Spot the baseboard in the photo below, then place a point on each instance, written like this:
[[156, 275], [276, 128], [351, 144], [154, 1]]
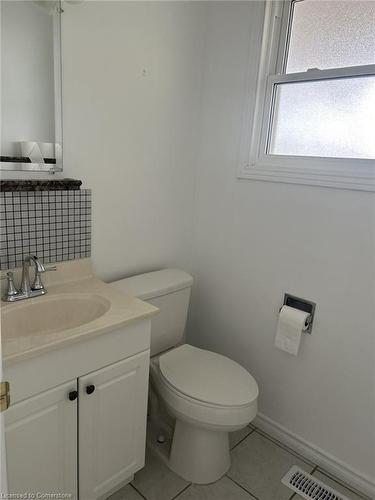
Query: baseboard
[[316, 455]]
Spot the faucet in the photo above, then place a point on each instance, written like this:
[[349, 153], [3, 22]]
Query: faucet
[[27, 291], [25, 280]]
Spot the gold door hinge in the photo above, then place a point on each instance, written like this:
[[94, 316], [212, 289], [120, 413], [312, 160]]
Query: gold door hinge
[[4, 396]]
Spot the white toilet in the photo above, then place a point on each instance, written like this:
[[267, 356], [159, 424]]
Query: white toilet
[[207, 394]]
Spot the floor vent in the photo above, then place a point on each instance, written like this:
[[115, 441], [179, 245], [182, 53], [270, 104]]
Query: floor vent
[[308, 487]]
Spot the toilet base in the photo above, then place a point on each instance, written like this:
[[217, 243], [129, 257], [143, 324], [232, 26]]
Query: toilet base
[[199, 455]]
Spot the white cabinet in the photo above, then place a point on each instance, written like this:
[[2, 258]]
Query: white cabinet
[[99, 417], [41, 442], [112, 423]]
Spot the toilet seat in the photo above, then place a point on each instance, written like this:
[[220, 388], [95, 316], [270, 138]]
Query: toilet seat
[[209, 396], [178, 377], [207, 377]]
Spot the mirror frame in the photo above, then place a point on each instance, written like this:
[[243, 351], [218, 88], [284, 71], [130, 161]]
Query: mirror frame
[[57, 60]]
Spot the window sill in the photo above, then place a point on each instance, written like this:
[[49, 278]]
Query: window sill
[[360, 178]]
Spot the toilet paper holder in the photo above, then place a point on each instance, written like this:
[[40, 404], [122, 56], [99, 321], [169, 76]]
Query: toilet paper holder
[[302, 305]]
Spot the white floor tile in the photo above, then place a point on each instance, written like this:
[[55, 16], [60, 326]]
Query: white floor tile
[[224, 489], [258, 465], [126, 493], [156, 481], [237, 436]]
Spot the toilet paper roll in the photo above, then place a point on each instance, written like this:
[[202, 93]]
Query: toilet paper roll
[[292, 322]]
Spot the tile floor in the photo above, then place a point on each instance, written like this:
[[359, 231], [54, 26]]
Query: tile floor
[[258, 464]]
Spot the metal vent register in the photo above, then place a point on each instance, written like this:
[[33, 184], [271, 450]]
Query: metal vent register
[[308, 487]]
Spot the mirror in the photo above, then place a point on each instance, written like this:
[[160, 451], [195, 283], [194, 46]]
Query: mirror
[[31, 127]]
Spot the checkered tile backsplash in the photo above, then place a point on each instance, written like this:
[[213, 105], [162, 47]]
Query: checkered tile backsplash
[[53, 225]]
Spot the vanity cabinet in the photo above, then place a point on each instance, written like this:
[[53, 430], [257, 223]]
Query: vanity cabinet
[[41, 442], [112, 423], [99, 417]]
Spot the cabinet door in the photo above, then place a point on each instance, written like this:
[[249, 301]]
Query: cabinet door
[[41, 443], [112, 425]]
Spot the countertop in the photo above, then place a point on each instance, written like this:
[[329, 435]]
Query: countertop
[[75, 279]]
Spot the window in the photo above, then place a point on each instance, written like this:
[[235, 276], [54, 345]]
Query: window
[[314, 116]]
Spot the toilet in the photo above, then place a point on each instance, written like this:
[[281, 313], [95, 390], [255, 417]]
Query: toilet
[[208, 395]]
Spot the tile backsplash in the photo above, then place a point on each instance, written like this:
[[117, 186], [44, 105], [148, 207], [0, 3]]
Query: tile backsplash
[[54, 225]]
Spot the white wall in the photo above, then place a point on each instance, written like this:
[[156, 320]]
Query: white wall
[[131, 87], [254, 241], [131, 95]]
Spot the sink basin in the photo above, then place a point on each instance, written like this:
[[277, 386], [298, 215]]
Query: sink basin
[[47, 315]]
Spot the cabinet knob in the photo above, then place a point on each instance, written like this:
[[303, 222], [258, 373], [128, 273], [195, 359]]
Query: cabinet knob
[[90, 388], [73, 395]]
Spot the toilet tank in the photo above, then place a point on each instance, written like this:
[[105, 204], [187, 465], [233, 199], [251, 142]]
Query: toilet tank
[[169, 290]]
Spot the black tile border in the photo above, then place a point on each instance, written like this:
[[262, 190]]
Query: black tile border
[[11, 185]]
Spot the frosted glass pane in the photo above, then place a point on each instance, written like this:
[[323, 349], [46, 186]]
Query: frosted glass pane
[[331, 34], [333, 118]]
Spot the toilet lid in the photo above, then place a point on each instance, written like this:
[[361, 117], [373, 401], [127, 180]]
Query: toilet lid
[[208, 377]]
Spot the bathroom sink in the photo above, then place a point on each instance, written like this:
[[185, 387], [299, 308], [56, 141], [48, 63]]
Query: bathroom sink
[[47, 315], [77, 307]]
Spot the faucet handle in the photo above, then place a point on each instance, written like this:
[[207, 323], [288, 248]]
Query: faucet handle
[[12, 290], [52, 268], [38, 285]]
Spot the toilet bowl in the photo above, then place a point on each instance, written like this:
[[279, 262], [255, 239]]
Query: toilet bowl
[[209, 395]]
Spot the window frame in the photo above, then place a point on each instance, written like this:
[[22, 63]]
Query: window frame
[[255, 162]]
